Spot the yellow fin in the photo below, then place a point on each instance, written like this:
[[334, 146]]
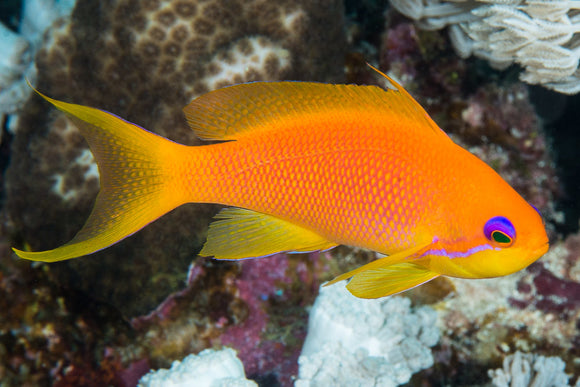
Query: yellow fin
[[236, 111], [381, 262], [239, 233], [416, 110], [389, 280], [134, 168]]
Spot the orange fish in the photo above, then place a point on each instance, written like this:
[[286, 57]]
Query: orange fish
[[306, 167]]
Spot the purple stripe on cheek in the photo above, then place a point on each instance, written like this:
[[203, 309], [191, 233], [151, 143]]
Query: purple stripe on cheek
[[458, 254]]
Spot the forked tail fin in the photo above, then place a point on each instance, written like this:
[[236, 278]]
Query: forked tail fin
[[137, 175]]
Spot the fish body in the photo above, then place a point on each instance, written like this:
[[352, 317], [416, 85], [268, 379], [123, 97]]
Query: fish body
[[306, 167]]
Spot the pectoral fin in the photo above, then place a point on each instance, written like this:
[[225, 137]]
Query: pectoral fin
[[241, 233], [389, 280], [379, 263]]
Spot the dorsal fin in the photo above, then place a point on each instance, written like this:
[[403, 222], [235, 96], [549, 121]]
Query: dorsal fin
[[236, 111]]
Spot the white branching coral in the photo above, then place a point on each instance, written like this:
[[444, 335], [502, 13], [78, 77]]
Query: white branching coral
[[209, 368], [14, 62], [356, 342], [526, 369], [540, 35]]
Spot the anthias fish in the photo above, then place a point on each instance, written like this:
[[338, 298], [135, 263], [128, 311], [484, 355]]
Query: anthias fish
[[308, 166]]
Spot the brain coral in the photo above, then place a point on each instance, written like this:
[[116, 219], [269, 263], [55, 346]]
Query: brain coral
[[144, 60]]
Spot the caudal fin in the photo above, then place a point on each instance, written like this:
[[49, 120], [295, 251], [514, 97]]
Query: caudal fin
[[138, 181]]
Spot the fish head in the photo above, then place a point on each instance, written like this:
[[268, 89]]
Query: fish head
[[499, 235]]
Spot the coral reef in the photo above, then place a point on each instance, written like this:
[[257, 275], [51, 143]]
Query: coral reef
[[257, 308], [541, 36], [254, 307], [526, 369], [209, 368], [360, 342], [144, 61]]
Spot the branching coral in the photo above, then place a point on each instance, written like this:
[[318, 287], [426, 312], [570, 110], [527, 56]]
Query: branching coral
[[540, 35], [526, 369], [208, 368], [365, 342]]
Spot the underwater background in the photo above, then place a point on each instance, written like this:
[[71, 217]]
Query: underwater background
[[109, 318]]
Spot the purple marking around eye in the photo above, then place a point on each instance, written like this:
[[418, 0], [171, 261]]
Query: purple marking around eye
[[499, 223]]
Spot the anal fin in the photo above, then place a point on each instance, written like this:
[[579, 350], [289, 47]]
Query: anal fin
[[239, 233]]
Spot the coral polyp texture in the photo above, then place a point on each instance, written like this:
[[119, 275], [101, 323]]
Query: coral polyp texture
[[526, 369], [356, 342], [144, 61], [209, 368], [541, 36]]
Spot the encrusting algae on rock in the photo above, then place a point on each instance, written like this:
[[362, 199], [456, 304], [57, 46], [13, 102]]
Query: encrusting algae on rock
[[311, 166]]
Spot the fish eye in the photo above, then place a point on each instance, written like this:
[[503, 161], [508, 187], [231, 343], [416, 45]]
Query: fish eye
[[500, 231]]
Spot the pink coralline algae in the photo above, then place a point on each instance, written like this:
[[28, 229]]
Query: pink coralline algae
[[276, 291], [260, 281], [549, 293], [257, 307], [552, 284], [401, 48]]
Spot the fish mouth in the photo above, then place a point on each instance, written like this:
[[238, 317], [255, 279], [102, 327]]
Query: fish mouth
[[543, 249]]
